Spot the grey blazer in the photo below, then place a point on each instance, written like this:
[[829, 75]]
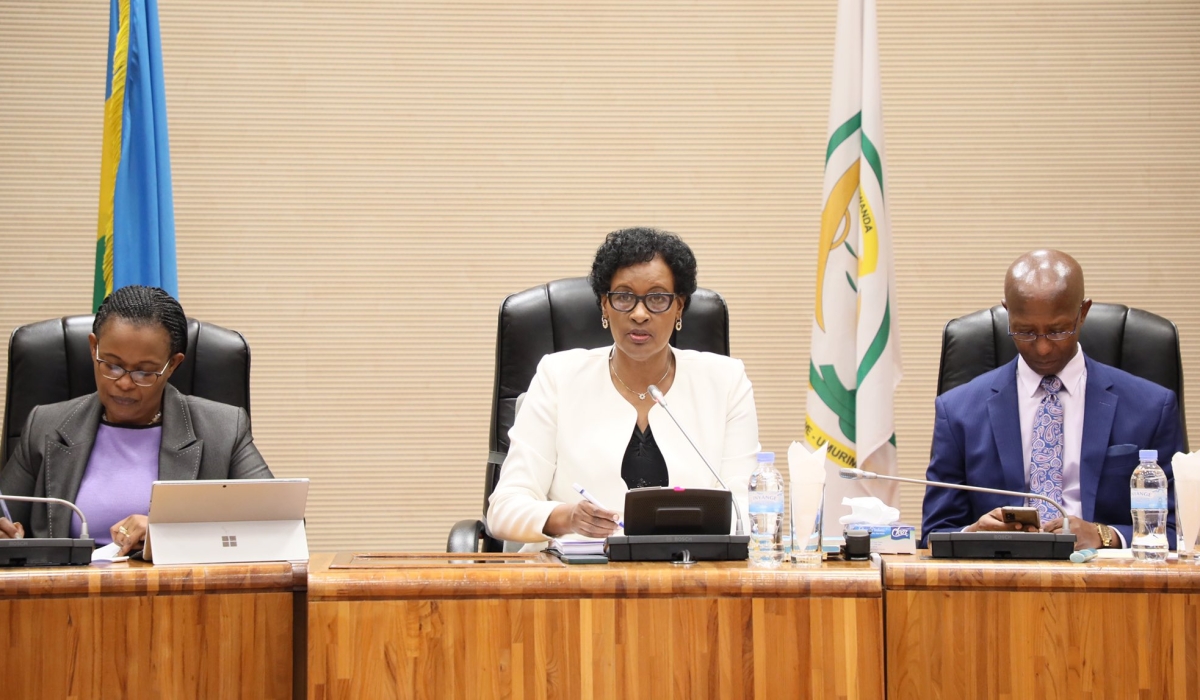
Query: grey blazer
[[201, 439]]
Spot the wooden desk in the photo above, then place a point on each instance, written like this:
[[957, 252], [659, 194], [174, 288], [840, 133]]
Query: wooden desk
[[548, 630], [133, 630], [977, 629]]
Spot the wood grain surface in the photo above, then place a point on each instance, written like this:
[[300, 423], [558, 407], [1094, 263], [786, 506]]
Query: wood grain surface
[[972, 629], [550, 578], [652, 631], [917, 573], [138, 631], [135, 577]]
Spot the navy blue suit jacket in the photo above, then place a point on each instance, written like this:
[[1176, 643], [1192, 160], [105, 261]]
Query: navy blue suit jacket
[[977, 441]]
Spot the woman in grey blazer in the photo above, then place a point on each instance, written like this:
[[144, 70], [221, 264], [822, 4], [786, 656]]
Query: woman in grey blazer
[[104, 450]]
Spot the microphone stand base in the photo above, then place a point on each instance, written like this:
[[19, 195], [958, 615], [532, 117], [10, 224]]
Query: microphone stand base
[[1001, 545], [679, 548], [46, 551]]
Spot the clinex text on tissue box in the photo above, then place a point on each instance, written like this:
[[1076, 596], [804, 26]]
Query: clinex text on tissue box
[[889, 539]]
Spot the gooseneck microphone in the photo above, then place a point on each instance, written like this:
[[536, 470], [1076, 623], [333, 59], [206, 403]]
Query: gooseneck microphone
[[661, 400], [847, 473], [83, 526]]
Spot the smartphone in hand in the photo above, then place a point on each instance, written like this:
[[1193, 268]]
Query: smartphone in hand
[[1021, 514]]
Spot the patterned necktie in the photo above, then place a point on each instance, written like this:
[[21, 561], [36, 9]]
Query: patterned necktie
[[1046, 453]]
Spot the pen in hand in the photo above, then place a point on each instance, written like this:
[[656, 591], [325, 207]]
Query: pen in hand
[[592, 499], [4, 507]]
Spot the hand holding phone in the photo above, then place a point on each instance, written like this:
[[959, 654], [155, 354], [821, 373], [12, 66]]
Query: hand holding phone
[[1026, 516]]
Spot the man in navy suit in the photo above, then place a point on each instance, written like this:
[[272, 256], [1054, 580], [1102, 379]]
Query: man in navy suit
[[1053, 421]]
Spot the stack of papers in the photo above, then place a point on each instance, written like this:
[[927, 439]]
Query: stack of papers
[[576, 547]]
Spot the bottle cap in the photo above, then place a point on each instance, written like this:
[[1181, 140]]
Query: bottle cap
[[766, 457], [1148, 455]]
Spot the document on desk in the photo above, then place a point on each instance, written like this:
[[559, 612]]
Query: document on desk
[[576, 547], [1127, 554], [107, 553]]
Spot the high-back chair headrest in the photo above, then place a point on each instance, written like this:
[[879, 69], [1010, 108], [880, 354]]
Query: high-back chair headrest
[[563, 315], [1139, 342], [49, 361]]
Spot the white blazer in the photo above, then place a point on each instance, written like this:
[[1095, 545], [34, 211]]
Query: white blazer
[[574, 426]]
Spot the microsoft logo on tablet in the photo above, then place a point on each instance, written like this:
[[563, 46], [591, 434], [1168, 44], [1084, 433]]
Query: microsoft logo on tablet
[[228, 540]]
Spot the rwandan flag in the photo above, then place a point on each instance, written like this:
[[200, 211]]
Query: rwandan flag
[[135, 237]]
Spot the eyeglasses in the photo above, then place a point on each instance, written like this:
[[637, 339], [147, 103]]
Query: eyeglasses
[[1026, 337], [115, 372], [656, 302]]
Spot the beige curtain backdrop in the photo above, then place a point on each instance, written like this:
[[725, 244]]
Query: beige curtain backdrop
[[358, 185]]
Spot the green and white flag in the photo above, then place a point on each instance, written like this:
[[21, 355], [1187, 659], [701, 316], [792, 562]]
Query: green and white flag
[[855, 363]]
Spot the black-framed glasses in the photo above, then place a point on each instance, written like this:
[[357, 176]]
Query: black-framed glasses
[[1028, 337], [114, 372], [656, 302]]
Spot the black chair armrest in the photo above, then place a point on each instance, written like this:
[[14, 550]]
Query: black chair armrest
[[465, 536]]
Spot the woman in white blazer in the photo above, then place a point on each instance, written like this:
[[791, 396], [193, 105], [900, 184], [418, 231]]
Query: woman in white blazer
[[588, 417]]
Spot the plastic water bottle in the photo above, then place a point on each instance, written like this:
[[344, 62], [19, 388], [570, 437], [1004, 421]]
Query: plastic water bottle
[[1148, 505], [766, 513]]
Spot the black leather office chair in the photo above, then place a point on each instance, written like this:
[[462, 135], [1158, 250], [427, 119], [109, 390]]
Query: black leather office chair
[[50, 361], [1139, 342], [561, 315]]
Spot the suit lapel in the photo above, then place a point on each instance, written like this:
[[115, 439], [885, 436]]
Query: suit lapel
[[180, 452], [1099, 408], [66, 458], [1006, 427]]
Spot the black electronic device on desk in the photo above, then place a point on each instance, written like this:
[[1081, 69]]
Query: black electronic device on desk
[[990, 545], [677, 524], [1001, 545], [47, 551]]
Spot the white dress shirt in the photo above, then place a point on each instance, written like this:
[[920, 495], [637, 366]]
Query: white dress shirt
[[1029, 397], [574, 427]]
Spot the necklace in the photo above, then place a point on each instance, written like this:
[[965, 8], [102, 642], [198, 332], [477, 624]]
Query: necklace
[[640, 394], [157, 417]]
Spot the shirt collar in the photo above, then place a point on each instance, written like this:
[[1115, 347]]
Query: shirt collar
[[1029, 382]]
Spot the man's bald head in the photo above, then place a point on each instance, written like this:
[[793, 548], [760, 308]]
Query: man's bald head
[[1046, 276], [1043, 292]]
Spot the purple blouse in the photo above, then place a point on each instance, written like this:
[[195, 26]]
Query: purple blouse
[[116, 483]]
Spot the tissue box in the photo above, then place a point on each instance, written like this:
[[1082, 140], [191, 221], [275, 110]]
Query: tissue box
[[889, 539]]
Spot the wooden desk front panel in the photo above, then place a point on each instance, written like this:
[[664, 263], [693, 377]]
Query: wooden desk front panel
[[136, 631], [594, 640], [599, 648], [1119, 630]]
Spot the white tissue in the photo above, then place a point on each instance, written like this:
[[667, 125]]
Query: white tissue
[[868, 510], [806, 479], [1187, 497]]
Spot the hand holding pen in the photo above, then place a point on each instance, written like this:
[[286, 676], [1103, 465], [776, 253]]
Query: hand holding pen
[[588, 517], [593, 516], [8, 528]]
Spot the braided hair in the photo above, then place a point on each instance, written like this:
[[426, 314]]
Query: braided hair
[[145, 306]]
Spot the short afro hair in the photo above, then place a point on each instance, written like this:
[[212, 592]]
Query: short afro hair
[[632, 246], [145, 306]]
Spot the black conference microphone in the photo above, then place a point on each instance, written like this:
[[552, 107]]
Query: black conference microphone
[[848, 473], [661, 400], [47, 551]]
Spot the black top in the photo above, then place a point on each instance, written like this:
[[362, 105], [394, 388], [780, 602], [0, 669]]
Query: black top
[[643, 464]]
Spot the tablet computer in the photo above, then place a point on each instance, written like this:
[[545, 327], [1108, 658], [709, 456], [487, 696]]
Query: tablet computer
[[235, 520]]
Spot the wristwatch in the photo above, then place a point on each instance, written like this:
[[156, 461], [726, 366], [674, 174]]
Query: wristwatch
[[1106, 535]]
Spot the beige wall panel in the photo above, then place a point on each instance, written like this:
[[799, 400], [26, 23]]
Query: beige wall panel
[[358, 185]]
